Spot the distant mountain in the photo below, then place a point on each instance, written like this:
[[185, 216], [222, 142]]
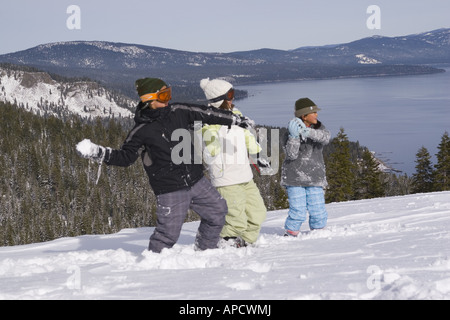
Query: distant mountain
[[425, 48], [38, 92], [116, 56], [118, 65]]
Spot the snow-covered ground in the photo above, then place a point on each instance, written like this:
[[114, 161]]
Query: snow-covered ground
[[389, 248]]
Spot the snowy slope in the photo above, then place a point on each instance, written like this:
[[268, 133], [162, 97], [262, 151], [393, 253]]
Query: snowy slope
[[389, 248], [38, 92]]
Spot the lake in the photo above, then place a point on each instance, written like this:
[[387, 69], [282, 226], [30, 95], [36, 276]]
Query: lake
[[392, 116]]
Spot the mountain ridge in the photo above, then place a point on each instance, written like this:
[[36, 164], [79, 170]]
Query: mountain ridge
[[118, 65]]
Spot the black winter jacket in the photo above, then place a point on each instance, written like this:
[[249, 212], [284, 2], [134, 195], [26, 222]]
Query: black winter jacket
[[151, 139]]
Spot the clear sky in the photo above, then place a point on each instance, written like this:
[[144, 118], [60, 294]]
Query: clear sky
[[214, 26]]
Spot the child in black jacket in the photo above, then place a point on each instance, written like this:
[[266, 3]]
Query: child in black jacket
[[179, 186]]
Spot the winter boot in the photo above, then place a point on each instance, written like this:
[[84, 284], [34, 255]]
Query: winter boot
[[289, 233], [236, 242], [240, 243]]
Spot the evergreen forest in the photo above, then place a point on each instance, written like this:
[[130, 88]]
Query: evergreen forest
[[47, 191]]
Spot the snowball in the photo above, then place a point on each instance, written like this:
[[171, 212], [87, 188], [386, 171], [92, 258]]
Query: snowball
[[85, 147]]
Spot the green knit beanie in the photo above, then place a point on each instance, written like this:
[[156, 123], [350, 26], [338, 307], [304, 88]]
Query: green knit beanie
[[149, 85], [305, 106]]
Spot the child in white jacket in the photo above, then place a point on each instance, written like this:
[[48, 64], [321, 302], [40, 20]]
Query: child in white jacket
[[227, 158]]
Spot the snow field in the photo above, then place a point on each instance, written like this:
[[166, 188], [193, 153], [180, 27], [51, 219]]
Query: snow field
[[388, 248]]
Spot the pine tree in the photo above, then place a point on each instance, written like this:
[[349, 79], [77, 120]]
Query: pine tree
[[369, 179], [423, 178], [442, 173], [340, 170], [398, 185]]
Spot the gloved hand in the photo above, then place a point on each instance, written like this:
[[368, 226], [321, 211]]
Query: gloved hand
[[298, 128], [89, 150], [263, 162], [294, 128], [243, 122], [304, 130], [265, 167]]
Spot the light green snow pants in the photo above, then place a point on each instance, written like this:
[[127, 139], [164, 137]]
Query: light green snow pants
[[246, 211]]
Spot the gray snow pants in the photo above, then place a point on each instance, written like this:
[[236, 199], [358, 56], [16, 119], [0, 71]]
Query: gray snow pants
[[172, 209]]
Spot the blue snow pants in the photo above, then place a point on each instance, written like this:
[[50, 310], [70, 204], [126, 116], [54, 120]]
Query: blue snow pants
[[303, 200]]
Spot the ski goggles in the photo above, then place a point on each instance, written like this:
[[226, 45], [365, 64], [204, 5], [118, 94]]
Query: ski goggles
[[162, 96], [227, 96]]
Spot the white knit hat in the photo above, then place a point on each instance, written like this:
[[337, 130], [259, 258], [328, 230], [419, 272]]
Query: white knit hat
[[215, 88]]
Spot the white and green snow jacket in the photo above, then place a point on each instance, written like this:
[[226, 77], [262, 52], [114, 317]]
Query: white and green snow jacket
[[226, 153]]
